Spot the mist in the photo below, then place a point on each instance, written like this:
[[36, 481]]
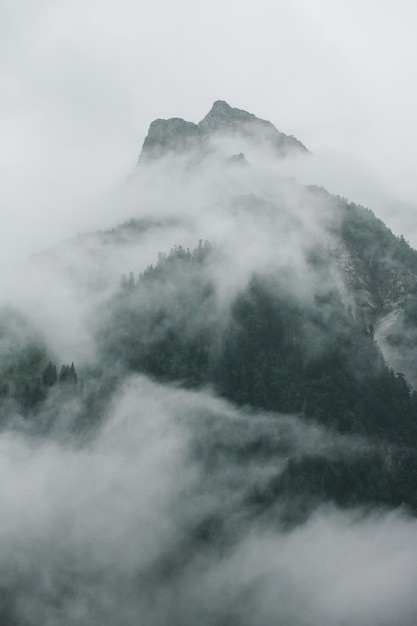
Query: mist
[[176, 201], [131, 500], [149, 513], [136, 527], [83, 81]]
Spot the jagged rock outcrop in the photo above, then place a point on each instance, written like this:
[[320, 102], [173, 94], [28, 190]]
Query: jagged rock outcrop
[[174, 134], [379, 271], [378, 286], [178, 136], [224, 119]]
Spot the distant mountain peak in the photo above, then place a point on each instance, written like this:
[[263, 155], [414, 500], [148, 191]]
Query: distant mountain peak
[[219, 106], [175, 135], [223, 116]]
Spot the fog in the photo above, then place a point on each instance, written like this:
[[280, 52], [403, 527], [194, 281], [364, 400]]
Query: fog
[[261, 220], [83, 80], [134, 502], [147, 514], [116, 531]]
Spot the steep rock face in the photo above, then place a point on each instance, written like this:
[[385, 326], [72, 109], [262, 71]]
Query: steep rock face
[[380, 291], [178, 136], [379, 271], [398, 343], [174, 134], [378, 287]]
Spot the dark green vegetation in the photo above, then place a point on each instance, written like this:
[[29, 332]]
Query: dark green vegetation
[[269, 347], [375, 242], [275, 351], [26, 371], [270, 350]]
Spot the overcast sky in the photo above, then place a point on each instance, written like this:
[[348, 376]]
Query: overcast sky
[[81, 80]]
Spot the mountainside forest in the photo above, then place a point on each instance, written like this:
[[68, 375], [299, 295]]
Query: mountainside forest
[[228, 367]]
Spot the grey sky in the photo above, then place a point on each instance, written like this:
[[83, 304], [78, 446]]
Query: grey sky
[[82, 80]]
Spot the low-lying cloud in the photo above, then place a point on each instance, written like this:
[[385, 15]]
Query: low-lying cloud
[[150, 519], [123, 530], [260, 221]]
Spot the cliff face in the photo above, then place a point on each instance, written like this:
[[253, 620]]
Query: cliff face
[[175, 135], [381, 290], [379, 287], [379, 270]]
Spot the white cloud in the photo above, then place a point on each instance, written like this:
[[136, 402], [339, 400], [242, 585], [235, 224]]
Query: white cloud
[[106, 532]]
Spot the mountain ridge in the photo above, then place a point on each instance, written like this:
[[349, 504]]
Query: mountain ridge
[[179, 136]]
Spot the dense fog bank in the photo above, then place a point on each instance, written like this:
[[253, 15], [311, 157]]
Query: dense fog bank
[[151, 523]]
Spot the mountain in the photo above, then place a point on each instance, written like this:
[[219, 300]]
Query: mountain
[[237, 401], [296, 302], [222, 121]]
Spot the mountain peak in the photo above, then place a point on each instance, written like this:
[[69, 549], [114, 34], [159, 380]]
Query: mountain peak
[[177, 136], [221, 105], [173, 134], [223, 116]]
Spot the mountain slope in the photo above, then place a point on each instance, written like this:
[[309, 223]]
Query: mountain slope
[[230, 444]]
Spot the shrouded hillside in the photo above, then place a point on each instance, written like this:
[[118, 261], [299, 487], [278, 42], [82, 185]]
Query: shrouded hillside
[[238, 439], [27, 373], [295, 333], [383, 265], [271, 350]]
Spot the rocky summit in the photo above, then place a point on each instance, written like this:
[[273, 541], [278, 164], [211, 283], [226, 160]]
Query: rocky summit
[[178, 136]]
